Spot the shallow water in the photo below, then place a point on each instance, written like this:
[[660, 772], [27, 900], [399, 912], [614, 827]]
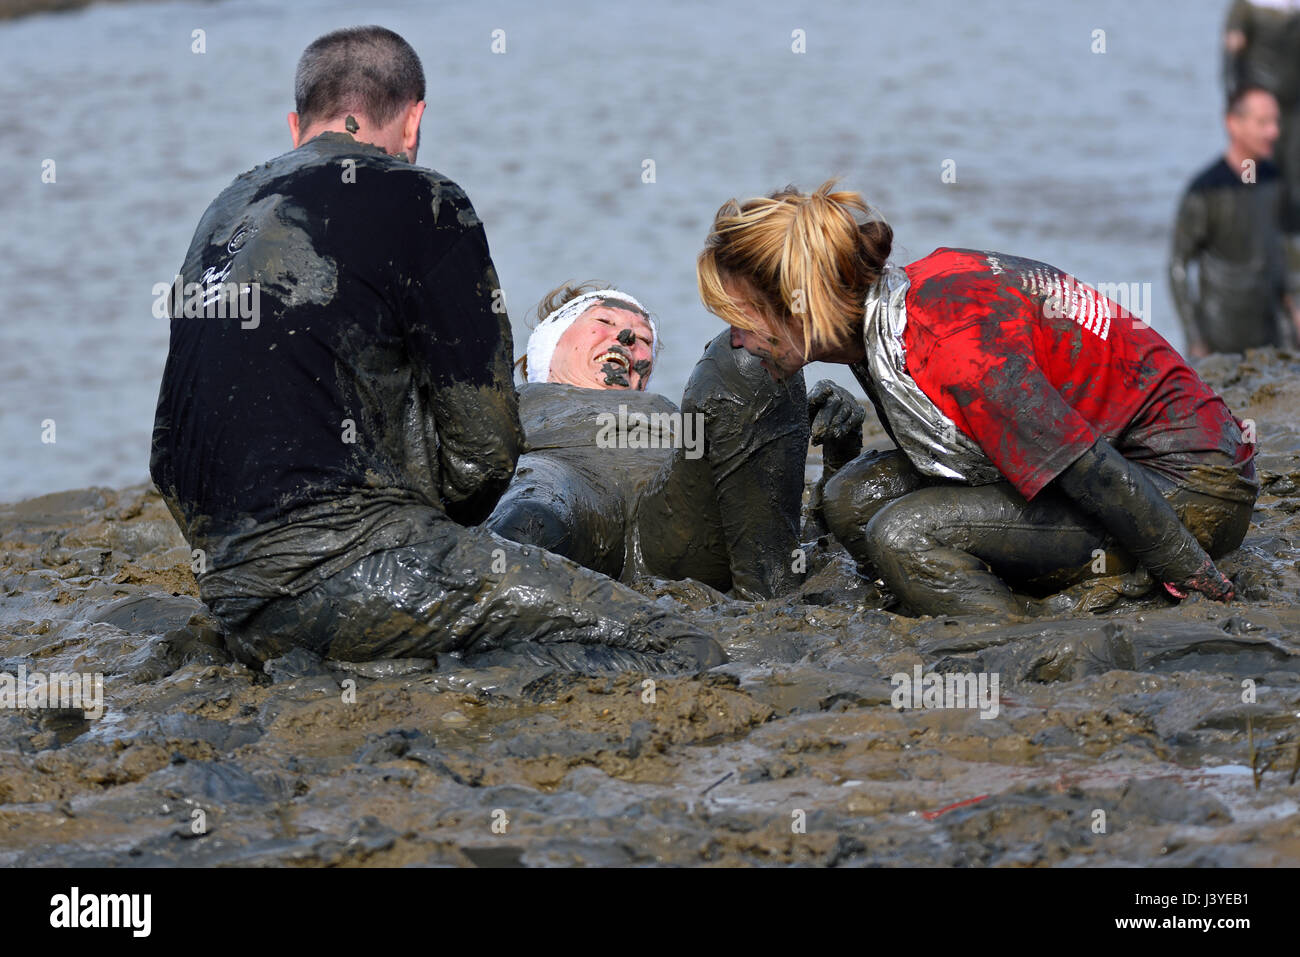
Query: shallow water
[[1061, 154]]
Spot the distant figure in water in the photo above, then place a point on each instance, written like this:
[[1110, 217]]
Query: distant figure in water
[[1228, 269], [331, 453], [624, 482], [1261, 47], [1045, 436]]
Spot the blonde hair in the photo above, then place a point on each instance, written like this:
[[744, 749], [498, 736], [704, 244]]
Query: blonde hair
[[810, 256], [566, 292]]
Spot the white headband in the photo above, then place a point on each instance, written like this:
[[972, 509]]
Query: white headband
[[542, 343]]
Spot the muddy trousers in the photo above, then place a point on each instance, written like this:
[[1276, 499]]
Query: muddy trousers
[[957, 549], [555, 505], [467, 590]]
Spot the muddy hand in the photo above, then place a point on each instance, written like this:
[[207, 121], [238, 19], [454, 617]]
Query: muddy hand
[[1207, 580], [836, 421]]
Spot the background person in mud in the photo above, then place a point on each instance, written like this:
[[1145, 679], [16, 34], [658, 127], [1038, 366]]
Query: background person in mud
[[1261, 48], [1038, 422], [717, 500], [321, 460], [1228, 268]]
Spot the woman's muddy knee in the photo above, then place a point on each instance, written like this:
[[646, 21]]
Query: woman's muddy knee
[[854, 495], [897, 530]]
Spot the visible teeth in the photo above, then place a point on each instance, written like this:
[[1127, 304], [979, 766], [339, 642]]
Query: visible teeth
[[616, 358]]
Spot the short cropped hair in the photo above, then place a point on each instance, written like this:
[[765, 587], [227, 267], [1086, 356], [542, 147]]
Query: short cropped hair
[[1238, 98], [369, 71]]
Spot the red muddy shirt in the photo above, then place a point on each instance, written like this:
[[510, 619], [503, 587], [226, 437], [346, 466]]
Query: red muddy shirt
[[1035, 367]]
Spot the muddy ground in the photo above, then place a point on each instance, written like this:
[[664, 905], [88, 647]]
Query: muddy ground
[[1121, 737]]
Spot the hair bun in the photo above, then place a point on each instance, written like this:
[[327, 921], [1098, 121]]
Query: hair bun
[[877, 241]]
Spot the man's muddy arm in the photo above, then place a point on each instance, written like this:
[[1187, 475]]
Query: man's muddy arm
[[465, 350]]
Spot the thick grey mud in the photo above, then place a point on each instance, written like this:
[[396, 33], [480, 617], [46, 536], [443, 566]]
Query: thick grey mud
[[1136, 713]]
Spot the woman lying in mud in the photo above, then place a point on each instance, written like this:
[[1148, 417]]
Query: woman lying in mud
[[1044, 435], [623, 482]]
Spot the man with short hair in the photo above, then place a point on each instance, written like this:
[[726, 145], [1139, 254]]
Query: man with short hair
[[326, 456], [1261, 46], [1229, 232]]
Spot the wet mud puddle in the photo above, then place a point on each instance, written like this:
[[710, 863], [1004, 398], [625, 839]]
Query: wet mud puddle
[[1123, 737]]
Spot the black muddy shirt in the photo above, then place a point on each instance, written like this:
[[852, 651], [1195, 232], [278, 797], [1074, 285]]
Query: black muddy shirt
[[370, 374], [1228, 268]]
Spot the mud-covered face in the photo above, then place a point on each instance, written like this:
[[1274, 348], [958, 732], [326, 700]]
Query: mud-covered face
[[1254, 127], [772, 342], [605, 348]]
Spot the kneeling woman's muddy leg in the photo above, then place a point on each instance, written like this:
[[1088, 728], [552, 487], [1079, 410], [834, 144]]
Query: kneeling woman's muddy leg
[[1219, 524], [853, 495], [468, 590], [952, 549], [756, 443]]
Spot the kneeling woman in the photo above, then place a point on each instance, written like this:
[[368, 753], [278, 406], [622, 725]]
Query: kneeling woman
[[622, 481], [1038, 421]]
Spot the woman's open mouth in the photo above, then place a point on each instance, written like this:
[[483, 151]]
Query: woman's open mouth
[[620, 359], [615, 364]]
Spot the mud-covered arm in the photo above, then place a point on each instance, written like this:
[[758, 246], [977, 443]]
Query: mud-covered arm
[[462, 351], [1190, 232], [835, 419], [1115, 491]]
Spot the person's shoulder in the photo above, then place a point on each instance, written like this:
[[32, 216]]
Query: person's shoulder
[[958, 256], [535, 392], [1217, 175], [424, 196], [943, 283], [335, 156], [1266, 171], [948, 262], [447, 200]]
